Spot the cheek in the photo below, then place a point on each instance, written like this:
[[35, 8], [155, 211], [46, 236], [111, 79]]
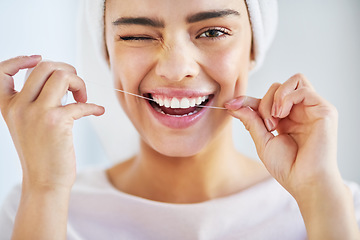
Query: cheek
[[229, 67], [129, 67]]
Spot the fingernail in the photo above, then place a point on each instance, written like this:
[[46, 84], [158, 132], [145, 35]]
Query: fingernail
[[279, 112], [35, 56], [269, 124], [234, 104], [273, 110]]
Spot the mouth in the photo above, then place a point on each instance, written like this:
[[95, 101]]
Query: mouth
[[178, 106]]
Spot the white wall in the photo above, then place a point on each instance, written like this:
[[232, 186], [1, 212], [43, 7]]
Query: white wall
[[318, 38]]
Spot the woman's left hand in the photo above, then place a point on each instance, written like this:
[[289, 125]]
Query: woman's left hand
[[303, 153], [302, 157]]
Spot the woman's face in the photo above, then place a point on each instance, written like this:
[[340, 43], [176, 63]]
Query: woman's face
[[181, 54]]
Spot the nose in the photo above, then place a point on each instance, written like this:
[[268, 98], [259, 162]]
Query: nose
[[177, 62]]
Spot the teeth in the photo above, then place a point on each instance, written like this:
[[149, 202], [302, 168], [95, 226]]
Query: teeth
[[185, 103], [199, 100], [175, 103], [167, 102], [160, 102], [179, 103]]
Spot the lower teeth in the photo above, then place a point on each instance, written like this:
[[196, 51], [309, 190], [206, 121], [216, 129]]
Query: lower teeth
[[189, 114]]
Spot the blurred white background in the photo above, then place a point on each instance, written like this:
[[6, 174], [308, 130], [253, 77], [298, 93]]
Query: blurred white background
[[318, 38]]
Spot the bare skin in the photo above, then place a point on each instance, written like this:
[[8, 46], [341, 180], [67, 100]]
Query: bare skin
[[189, 165]]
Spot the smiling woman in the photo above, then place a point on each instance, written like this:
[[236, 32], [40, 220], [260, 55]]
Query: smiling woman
[[188, 180]]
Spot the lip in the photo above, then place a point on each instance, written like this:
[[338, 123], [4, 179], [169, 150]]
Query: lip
[[183, 121]]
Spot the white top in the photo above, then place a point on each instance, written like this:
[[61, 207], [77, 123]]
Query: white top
[[99, 211]]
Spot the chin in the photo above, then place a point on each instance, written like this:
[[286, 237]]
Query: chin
[[179, 146]]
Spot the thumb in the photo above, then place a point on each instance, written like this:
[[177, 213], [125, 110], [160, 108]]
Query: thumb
[[254, 124], [79, 110]]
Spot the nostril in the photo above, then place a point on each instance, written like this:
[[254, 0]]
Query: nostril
[[176, 65]]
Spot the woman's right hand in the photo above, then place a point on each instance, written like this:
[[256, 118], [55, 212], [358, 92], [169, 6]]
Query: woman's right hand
[[40, 126]]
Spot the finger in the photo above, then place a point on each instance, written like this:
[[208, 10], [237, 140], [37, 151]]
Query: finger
[[12, 66], [57, 85], [265, 107], [243, 101], [39, 76], [255, 125], [8, 69], [295, 82], [305, 96], [79, 110]]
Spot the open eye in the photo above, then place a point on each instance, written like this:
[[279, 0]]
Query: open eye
[[214, 33]]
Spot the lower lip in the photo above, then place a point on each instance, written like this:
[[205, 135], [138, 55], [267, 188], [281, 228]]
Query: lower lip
[[178, 122]]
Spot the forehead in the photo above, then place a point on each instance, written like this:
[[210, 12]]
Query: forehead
[[169, 9]]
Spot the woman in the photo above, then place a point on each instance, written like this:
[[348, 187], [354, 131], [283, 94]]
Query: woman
[[187, 181]]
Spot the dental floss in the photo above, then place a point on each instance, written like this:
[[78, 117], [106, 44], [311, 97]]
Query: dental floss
[[136, 95]]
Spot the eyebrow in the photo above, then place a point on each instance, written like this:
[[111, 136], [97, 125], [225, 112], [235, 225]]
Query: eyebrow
[[197, 17], [201, 16], [139, 21]]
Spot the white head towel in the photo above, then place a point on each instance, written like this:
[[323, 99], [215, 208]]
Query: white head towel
[[92, 67]]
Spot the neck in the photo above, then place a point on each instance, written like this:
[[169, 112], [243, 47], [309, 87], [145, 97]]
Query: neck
[[217, 171]]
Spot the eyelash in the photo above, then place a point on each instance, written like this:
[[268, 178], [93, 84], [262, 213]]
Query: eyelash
[[135, 38], [223, 31]]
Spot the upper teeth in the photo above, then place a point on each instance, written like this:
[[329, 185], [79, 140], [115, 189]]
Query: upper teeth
[[179, 102]]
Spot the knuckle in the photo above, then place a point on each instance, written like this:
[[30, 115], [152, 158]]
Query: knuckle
[[330, 112], [46, 66], [299, 76], [275, 85], [302, 80], [53, 66], [71, 68], [328, 115], [62, 74], [279, 95]]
